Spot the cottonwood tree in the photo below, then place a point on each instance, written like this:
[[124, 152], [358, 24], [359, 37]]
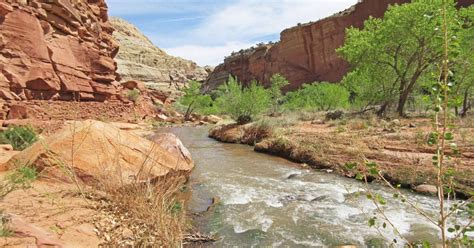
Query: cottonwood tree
[[243, 104], [464, 64], [389, 56], [193, 99], [278, 82]]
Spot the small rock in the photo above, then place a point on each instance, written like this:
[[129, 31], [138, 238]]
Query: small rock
[[320, 198], [212, 119], [6, 147], [318, 122], [292, 176], [127, 233], [395, 122], [426, 189], [412, 125]]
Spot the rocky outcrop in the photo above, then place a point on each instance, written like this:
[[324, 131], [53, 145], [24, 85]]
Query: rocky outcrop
[[139, 59], [305, 53], [56, 49], [96, 150]]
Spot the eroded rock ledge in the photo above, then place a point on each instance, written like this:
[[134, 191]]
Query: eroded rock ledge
[[57, 49]]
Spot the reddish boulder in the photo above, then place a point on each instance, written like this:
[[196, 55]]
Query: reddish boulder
[[134, 84]]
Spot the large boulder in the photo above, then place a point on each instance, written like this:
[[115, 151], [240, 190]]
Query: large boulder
[[173, 145], [101, 152]]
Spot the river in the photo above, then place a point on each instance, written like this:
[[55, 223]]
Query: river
[[269, 201]]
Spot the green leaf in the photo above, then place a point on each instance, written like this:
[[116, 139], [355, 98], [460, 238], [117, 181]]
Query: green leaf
[[451, 230], [372, 222], [373, 171], [359, 176], [426, 244], [448, 136], [350, 166]]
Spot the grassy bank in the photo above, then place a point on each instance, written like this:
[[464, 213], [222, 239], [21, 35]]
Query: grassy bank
[[398, 146]]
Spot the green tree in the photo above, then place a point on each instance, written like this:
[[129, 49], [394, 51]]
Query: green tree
[[391, 55], [275, 90], [464, 64], [317, 96], [193, 100], [242, 104]]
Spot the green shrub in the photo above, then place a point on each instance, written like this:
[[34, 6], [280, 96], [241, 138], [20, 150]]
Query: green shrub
[[317, 96], [242, 104], [19, 137], [23, 176], [194, 101], [133, 95]]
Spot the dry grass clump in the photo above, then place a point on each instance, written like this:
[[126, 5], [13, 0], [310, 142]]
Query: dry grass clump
[[143, 214], [256, 132], [358, 124]]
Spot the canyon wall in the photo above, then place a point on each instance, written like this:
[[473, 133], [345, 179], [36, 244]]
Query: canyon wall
[[139, 59], [57, 50], [305, 53]]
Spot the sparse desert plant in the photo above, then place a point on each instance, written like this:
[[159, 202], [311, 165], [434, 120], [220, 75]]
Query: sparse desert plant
[[20, 137], [23, 176], [133, 95], [4, 230]]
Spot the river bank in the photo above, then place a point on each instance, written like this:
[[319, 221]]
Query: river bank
[[397, 146]]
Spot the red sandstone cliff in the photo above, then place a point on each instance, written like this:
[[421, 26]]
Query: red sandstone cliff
[[56, 49], [305, 53]]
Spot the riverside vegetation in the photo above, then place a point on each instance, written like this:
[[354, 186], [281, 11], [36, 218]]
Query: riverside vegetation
[[416, 64]]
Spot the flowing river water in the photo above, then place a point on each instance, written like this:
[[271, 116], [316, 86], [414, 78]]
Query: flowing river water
[[269, 201]]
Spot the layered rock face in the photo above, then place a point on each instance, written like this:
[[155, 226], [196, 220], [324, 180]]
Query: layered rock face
[[57, 49], [139, 59], [306, 53]]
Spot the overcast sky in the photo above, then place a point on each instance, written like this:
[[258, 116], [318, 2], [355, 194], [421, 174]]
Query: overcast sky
[[206, 31]]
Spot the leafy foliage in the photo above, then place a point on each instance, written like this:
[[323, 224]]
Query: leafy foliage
[[391, 56], [275, 90], [242, 104], [20, 137], [317, 96], [194, 101]]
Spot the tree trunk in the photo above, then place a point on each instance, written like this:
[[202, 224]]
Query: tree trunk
[[465, 104], [382, 109], [189, 111], [401, 103]]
